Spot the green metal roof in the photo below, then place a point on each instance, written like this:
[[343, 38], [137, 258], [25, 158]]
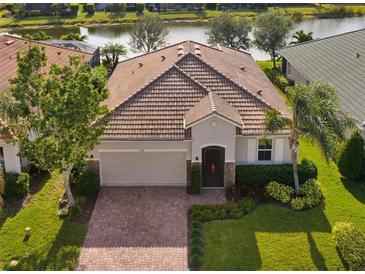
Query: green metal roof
[[338, 60]]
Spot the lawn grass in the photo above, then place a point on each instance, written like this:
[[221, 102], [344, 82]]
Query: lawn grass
[[101, 17], [54, 243], [277, 238]]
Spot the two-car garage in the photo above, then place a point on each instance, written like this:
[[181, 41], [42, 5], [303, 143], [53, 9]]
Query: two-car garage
[[143, 167]]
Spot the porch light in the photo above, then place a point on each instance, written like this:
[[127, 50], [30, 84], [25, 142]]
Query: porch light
[[196, 158], [27, 232], [91, 156]]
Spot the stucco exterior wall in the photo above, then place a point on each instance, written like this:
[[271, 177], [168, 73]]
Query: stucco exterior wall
[[293, 74], [11, 159], [214, 132], [242, 148]]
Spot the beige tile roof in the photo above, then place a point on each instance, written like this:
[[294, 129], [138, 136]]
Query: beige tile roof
[[150, 94], [10, 45], [209, 105]]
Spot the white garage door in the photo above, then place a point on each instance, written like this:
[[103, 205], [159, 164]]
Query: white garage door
[[143, 168]]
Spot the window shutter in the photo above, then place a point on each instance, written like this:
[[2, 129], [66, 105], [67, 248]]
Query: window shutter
[[279, 150], [251, 150]]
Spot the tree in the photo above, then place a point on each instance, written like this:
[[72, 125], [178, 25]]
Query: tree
[[111, 51], [270, 32], [230, 31], [316, 115], [38, 36], [74, 36], [139, 8], [351, 160], [148, 34], [117, 8], [53, 114], [2, 186], [301, 36]]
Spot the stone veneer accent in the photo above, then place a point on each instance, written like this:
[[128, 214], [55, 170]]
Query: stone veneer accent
[[229, 174], [94, 166]]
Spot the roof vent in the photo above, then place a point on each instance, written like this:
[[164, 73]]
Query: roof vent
[[140, 65], [180, 52], [163, 58], [9, 42], [259, 92], [196, 47], [357, 55], [219, 47], [243, 68], [198, 52], [180, 47]]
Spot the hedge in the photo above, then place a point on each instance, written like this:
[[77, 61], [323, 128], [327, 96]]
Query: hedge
[[195, 185], [351, 245], [260, 175], [205, 213], [16, 185]]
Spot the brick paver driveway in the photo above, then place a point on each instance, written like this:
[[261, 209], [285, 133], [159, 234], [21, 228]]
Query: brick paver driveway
[[141, 228]]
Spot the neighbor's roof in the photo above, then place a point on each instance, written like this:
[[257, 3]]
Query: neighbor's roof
[[73, 44], [338, 60], [209, 105], [10, 45], [150, 94]]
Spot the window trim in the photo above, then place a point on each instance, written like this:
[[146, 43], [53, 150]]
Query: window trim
[[264, 149]]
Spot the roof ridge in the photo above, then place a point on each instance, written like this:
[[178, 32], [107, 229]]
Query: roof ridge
[[151, 52], [46, 44], [190, 77], [320, 39], [231, 80], [212, 103]]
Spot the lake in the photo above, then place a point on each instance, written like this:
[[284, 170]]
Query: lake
[[99, 35]]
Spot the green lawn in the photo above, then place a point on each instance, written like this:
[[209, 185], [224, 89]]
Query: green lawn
[[53, 245], [277, 238], [100, 17]]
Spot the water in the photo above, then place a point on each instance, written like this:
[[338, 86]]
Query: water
[[99, 35]]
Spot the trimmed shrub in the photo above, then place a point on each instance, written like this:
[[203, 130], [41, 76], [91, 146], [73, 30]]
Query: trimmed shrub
[[87, 182], [297, 203], [196, 184], [351, 245], [280, 192], [16, 185], [351, 159], [89, 8], [312, 193], [260, 175]]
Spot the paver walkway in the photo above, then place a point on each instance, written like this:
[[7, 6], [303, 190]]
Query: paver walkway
[[141, 228]]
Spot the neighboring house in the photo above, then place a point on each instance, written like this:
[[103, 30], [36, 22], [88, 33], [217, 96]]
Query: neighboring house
[[9, 46], [338, 60], [187, 104], [79, 46]]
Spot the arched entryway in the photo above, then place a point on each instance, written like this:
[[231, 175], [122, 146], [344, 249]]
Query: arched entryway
[[213, 166]]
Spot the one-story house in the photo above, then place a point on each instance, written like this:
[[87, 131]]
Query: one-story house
[[337, 60], [187, 104], [9, 46]]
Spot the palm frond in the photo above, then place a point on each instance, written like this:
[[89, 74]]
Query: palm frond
[[275, 121]]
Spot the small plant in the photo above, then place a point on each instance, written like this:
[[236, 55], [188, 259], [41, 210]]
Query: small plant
[[16, 185], [63, 207], [351, 245], [279, 192]]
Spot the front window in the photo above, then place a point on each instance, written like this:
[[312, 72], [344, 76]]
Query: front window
[[265, 150]]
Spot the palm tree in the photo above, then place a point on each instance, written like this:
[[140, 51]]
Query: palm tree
[[316, 115], [301, 36], [74, 36], [111, 52]]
